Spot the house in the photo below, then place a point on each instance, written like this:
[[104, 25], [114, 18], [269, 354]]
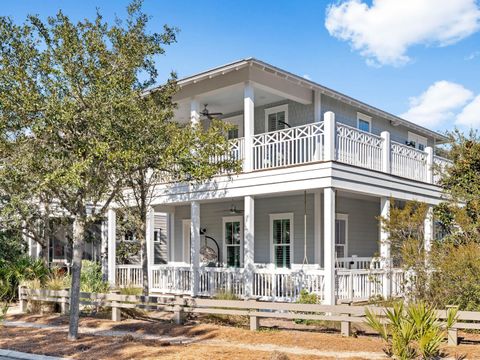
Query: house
[[319, 169]]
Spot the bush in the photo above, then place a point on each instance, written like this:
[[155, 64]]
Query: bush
[[91, 279], [411, 333], [232, 320]]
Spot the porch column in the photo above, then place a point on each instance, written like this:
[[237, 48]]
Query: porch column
[[195, 245], [194, 111], [149, 242], [429, 151], [249, 243], [112, 239], [386, 152], [249, 128], [330, 130], [385, 256], [429, 231], [317, 223], [104, 249], [329, 245]]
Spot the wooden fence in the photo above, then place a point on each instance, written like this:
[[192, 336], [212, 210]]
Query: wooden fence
[[180, 306]]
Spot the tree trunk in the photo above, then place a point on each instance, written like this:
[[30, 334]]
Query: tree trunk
[[78, 247], [145, 254], [104, 253], [43, 251]]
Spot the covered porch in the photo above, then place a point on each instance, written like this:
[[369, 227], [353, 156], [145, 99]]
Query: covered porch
[[269, 247]]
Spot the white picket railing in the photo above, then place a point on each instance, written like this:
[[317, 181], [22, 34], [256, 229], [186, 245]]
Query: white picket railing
[[355, 262], [359, 284], [408, 162], [359, 148], [129, 275], [439, 166], [216, 280], [171, 279], [292, 146]]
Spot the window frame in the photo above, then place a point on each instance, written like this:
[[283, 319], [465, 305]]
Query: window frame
[[237, 121], [274, 110], [344, 217], [417, 139], [227, 219], [282, 216], [366, 118]]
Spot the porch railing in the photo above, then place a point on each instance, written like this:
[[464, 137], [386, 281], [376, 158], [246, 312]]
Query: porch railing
[[359, 148], [359, 284], [439, 167], [129, 275], [355, 262], [292, 146], [408, 162], [216, 280]]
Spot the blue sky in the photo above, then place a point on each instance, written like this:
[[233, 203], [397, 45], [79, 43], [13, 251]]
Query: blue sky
[[386, 66]]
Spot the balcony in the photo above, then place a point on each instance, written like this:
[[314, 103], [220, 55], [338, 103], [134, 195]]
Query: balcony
[[307, 143]]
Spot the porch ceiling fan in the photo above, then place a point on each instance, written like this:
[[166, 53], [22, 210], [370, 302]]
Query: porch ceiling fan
[[208, 114], [232, 210]]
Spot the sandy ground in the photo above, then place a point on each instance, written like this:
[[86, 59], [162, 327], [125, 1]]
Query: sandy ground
[[210, 341]]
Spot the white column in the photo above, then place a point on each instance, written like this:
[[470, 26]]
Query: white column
[[112, 239], [194, 111], [149, 241], [317, 223], [330, 130], [429, 230], [249, 243], [329, 245], [386, 152], [249, 128], [429, 152], [385, 258], [195, 245]]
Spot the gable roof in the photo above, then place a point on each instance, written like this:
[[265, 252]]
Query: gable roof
[[237, 65]]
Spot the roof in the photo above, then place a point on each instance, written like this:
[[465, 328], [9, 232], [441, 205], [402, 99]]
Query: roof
[[236, 65]]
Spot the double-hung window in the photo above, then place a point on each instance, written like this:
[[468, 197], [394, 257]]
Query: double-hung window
[[276, 118], [341, 236], [232, 235], [281, 236], [364, 122]]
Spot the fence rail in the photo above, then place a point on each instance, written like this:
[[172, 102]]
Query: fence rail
[[255, 310]]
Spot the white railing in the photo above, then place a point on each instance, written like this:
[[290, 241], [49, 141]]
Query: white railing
[[398, 282], [360, 148], [217, 280], [292, 146], [236, 152], [285, 284], [408, 162], [359, 284], [129, 275], [171, 279], [355, 262], [439, 166]]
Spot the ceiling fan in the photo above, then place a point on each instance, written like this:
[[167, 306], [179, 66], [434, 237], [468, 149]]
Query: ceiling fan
[[233, 210], [208, 114]]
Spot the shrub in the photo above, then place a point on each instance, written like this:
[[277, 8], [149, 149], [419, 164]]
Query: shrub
[[131, 290], [412, 332], [91, 279], [233, 320]]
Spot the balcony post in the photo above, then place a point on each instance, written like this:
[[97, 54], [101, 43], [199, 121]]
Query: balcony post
[[330, 130], [195, 245], [249, 244], [329, 295], [194, 111], [385, 255], [249, 127], [317, 223], [386, 152], [112, 242], [429, 151]]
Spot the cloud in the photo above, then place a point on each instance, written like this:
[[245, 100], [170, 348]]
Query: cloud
[[384, 31], [470, 115], [472, 56], [306, 76], [438, 104]]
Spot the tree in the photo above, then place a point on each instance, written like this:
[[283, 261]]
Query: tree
[[68, 94]]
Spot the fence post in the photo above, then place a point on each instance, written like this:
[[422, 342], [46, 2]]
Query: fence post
[[346, 326], [65, 302], [452, 333], [178, 313], [116, 312], [386, 152], [351, 293], [429, 151], [22, 298], [254, 319]]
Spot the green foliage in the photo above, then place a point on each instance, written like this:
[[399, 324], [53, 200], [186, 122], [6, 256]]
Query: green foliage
[[225, 295], [412, 332], [307, 298], [130, 290], [91, 279], [125, 251]]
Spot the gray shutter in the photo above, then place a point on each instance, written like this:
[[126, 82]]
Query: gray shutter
[[160, 228]]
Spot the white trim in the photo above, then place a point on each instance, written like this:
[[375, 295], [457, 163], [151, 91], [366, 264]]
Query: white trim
[[224, 250], [273, 110], [366, 118], [186, 224], [344, 217], [281, 216]]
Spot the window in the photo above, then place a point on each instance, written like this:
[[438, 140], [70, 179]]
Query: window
[[237, 125], [281, 235], [417, 141], [276, 118], [341, 236], [364, 122], [160, 237], [232, 235], [233, 133]]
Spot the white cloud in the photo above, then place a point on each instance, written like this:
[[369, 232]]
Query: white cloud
[[384, 31], [470, 115], [438, 104], [473, 55], [306, 76]]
